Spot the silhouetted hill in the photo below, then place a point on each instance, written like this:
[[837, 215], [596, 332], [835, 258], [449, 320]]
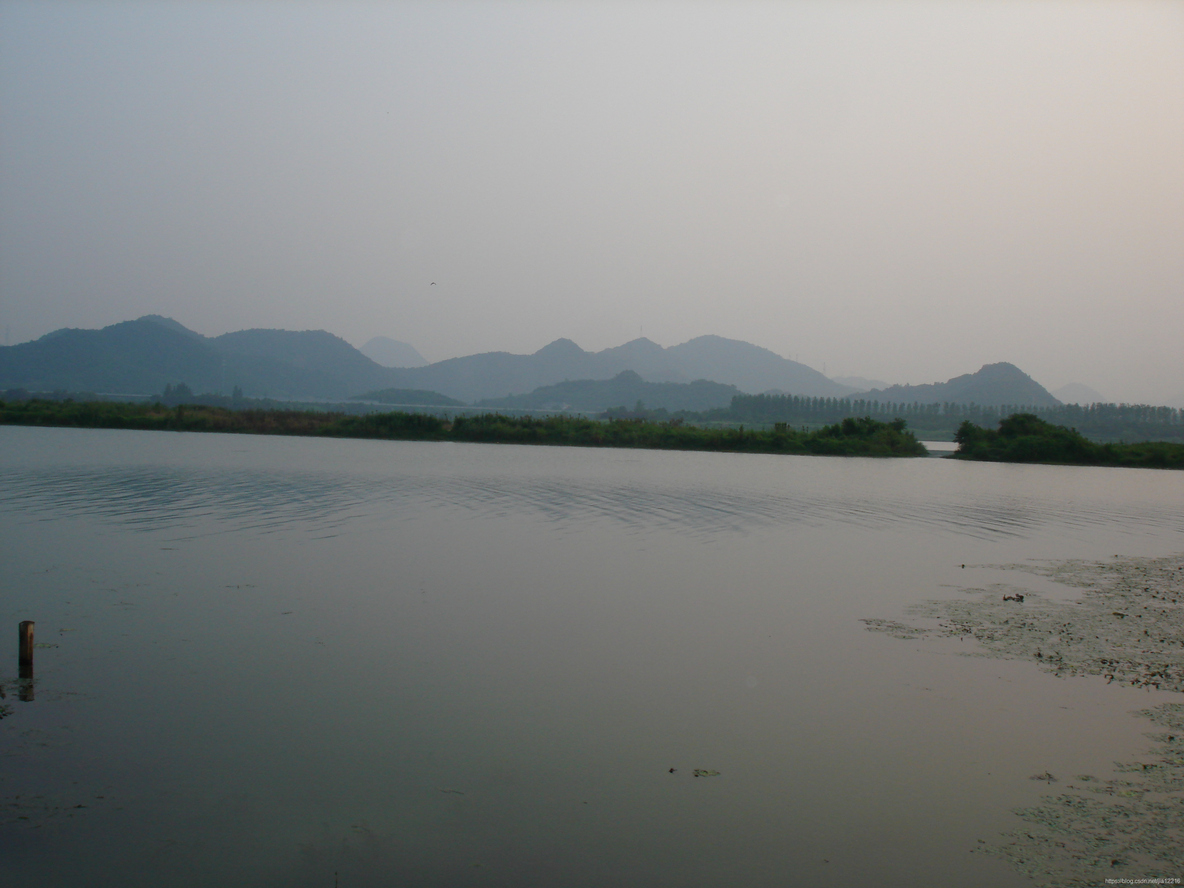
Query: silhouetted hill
[[992, 386], [623, 390], [143, 356], [750, 368], [500, 374], [645, 358], [133, 357], [306, 364]]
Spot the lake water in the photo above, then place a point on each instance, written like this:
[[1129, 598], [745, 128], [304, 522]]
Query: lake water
[[296, 662]]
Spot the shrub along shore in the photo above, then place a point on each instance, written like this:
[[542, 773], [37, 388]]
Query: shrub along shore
[[1022, 437], [1025, 438], [851, 437]]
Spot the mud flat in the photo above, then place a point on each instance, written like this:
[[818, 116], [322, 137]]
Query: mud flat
[[1126, 626]]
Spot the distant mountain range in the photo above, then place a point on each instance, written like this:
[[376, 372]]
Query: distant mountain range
[[141, 357], [727, 361]]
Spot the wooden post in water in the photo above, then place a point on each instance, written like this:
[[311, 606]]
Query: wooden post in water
[[26, 642], [25, 663]]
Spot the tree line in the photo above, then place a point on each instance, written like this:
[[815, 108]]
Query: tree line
[[850, 437], [1103, 421]]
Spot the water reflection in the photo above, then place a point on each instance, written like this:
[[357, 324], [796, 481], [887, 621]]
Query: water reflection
[[24, 689], [25, 660]]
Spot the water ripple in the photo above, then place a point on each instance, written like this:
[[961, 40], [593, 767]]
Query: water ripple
[[183, 499]]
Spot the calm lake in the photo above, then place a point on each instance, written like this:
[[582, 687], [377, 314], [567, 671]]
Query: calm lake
[[300, 662]]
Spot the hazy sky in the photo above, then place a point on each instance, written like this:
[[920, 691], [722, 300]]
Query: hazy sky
[[890, 189]]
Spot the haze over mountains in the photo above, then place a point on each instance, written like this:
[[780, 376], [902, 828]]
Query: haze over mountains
[[141, 357], [1078, 393], [726, 361], [392, 353]]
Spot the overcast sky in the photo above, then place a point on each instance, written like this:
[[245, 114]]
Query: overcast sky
[[896, 190]]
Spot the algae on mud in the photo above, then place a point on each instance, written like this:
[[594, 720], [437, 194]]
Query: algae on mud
[[1127, 626]]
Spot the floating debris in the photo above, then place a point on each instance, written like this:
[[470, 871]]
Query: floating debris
[[37, 811], [1127, 626], [703, 772]]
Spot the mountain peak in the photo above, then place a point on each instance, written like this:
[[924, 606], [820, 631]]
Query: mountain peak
[[642, 343], [992, 385], [168, 324], [751, 368], [560, 348], [1002, 370]]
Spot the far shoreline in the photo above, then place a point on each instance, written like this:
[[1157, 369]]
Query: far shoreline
[[851, 437]]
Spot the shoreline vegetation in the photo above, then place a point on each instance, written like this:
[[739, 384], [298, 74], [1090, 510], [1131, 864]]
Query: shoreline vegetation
[[851, 437], [1025, 438], [1103, 423], [1020, 438]]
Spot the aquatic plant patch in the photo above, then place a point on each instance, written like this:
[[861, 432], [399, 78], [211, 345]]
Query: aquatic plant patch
[[1126, 626]]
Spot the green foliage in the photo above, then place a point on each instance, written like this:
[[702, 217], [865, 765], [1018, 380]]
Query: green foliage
[[1025, 438], [1102, 422], [160, 417], [175, 394], [863, 437], [395, 426], [852, 437]]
